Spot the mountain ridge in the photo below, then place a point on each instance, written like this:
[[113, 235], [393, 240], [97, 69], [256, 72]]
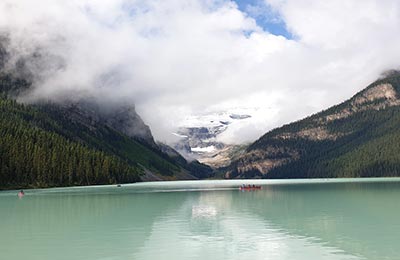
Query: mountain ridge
[[320, 138]]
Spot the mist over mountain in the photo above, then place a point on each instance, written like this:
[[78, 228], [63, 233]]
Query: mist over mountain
[[76, 141], [357, 138], [175, 59]]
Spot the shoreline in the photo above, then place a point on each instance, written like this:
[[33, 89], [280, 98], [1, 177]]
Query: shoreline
[[216, 184]]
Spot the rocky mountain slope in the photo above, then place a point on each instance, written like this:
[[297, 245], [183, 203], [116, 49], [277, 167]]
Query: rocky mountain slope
[[120, 117], [359, 137], [199, 138]]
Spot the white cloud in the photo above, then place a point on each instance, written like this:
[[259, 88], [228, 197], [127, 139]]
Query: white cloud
[[175, 58]]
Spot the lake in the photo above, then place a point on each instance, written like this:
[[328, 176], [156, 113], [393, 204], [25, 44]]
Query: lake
[[287, 219]]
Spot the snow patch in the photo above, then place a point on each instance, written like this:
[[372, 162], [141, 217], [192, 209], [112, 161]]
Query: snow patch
[[208, 149], [180, 135]]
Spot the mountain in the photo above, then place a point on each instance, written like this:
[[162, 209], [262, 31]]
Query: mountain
[[199, 138], [357, 138], [80, 142]]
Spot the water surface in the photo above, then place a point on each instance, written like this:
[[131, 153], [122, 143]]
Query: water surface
[[296, 219]]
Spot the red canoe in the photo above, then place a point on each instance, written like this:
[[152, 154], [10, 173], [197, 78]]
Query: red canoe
[[250, 188]]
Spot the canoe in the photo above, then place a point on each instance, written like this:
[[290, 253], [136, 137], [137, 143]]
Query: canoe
[[250, 188]]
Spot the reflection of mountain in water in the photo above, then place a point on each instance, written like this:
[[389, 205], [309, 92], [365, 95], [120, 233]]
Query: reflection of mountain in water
[[232, 231]]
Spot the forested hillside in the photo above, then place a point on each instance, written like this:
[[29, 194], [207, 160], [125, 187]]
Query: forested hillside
[[31, 156], [48, 144], [357, 138]]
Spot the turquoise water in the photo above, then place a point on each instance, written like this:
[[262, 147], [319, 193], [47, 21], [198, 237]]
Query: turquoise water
[[300, 219]]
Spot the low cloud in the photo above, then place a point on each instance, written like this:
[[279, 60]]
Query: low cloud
[[178, 58]]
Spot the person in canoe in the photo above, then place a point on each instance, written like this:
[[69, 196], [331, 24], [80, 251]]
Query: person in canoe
[[21, 193], [250, 187]]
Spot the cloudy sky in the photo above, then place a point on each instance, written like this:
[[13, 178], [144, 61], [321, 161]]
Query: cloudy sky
[[279, 60]]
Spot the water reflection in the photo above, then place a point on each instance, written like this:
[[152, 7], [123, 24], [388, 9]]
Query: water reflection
[[358, 218], [285, 221], [97, 226], [203, 211], [219, 229]]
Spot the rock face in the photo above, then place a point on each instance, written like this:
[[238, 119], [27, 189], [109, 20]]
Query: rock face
[[262, 161], [201, 139], [123, 119], [313, 133], [3, 53], [377, 97], [200, 143], [223, 157], [127, 121], [291, 142]]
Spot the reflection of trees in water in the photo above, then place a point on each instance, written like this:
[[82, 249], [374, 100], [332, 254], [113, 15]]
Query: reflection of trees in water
[[91, 222]]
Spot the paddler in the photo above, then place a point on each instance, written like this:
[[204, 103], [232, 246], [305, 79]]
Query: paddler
[[21, 193]]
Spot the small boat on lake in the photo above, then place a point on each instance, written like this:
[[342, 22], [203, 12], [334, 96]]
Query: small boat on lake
[[250, 187]]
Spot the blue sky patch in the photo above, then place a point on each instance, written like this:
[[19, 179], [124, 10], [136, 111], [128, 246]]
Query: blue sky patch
[[265, 17]]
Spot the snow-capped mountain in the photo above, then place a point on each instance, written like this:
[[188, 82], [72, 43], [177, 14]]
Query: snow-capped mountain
[[201, 137]]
